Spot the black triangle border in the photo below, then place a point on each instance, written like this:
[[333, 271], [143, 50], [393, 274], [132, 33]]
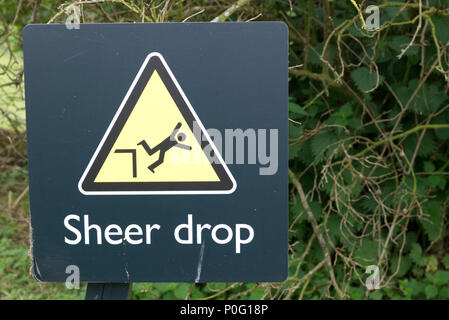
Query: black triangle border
[[226, 183]]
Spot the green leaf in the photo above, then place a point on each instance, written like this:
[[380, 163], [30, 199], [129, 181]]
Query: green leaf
[[315, 53], [417, 287], [431, 291], [293, 151], [368, 204], [294, 130], [433, 221], [445, 260], [334, 227], [435, 95], [342, 115], [443, 118], [426, 146], [429, 166], [295, 108], [390, 13], [429, 97], [375, 295], [441, 277], [411, 239], [404, 267], [417, 256], [181, 291], [163, 286], [437, 181], [257, 294], [323, 141], [399, 43], [364, 79], [432, 264], [315, 206], [367, 252], [441, 28]]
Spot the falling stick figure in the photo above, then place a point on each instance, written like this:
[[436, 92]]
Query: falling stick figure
[[173, 140]]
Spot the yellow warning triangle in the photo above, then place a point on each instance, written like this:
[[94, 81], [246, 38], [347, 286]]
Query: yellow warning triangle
[[156, 144]]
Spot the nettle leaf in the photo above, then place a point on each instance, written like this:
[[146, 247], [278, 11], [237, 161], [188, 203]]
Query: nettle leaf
[[445, 260], [356, 293], [296, 108], [333, 227], [402, 92], [404, 267], [433, 222], [304, 154], [383, 55], [429, 98], [390, 13], [417, 256], [342, 115], [294, 130], [297, 209], [328, 186], [404, 287], [315, 53], [319, 142], [416, 287], [257, 294], [435, 95], [323, 143], [367, 205], [426, 146], [317, 210], [411, 238], [364, 79], [439, 278], [441, 28], [181, 291], [437, 181], [367, 252], [430, 291], [399, 43], [294, 151], [432, 264], [315, 206], [429, 166], [356, 31], [376, 295], [442, 118]]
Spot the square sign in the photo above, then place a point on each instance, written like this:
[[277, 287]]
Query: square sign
[[158, 152]]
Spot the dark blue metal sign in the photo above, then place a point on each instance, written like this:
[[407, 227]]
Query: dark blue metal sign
[[158, 152]]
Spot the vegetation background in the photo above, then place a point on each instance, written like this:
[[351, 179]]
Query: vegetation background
[[368, 135]]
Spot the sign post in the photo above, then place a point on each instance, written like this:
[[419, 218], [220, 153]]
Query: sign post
[[158, 152], [108, 291]]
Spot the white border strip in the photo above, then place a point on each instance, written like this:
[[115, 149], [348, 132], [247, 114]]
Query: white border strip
[[111, 125]]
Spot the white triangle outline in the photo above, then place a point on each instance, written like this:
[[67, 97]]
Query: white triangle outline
[[197, 119]]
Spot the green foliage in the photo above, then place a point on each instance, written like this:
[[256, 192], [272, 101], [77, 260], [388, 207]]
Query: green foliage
[[16, 281], [364, 154], [364, 79], [434, 222]]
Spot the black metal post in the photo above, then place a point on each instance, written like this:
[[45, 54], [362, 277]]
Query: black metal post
[[108, 291]]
